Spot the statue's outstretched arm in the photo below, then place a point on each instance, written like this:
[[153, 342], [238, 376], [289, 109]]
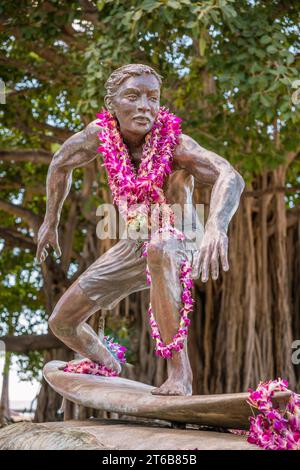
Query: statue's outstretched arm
[[77, 151], [208, 167]]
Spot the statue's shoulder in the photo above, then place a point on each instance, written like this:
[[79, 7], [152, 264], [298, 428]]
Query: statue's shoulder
[[93, 129], [182, 139], [91, 134], [184, 147]]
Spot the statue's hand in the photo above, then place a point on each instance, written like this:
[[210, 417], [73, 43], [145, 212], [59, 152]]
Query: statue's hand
[[214, 244], [47, 235]]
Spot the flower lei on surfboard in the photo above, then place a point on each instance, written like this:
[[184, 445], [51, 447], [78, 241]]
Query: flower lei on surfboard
[[275, 424], [274, 428], [86, 366], [134, 195]]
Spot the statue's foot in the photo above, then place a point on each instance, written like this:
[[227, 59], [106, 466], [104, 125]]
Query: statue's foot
[[174, 387], [108, 361]]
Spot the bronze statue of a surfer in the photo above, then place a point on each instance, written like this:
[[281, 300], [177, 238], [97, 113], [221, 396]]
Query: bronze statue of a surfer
[[133, 98]]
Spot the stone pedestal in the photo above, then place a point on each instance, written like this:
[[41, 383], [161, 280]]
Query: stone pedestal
[[94, 434]]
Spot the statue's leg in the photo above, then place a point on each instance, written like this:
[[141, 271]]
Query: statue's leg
[[67, 322], [164, 259], [112, 277]]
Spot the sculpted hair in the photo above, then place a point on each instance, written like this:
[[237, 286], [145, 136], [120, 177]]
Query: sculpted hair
[[122, 73]]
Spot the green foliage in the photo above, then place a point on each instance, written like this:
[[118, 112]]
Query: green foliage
[[30, 366], [249, 52], [21, 307]]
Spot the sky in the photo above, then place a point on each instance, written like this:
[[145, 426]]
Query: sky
[[19, 390]]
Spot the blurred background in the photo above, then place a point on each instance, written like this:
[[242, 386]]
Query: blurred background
[[231, 72]]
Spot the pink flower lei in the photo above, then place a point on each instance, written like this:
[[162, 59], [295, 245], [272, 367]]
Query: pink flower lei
[[145, 188], [272, 428], [89, 367]]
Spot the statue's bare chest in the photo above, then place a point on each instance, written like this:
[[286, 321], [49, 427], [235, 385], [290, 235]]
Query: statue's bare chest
[[178, 185]]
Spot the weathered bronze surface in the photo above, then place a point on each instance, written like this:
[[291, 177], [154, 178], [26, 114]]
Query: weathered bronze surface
[[133, 96], [128, 397]]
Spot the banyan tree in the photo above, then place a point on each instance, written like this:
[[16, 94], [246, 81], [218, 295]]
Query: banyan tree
[[230, 72]]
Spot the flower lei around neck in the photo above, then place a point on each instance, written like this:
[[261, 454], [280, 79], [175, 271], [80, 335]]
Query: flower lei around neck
[[136, 192]]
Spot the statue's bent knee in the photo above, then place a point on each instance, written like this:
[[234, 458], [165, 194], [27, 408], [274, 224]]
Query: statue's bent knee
[[61, 327]]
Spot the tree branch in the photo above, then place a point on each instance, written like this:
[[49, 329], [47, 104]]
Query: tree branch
[[27, 343], [25, 67], [43, 135], [279, 189], [59, 132], [26, 155], [33, 220], [46, 52], [292, 155], [14, 238]]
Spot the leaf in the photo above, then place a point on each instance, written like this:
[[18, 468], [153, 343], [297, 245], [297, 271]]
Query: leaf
[[100, 4], [150, 5], [55, 147], [35, 56], [229, 11], [173, 4], [290, 58], [285, 81], [191, 24], [137, 15], [265, 39], [271, 49], [260, 53], [281, 70], [265, 100]]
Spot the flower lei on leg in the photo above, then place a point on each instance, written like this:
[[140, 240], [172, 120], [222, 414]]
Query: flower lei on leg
[[177, 343]]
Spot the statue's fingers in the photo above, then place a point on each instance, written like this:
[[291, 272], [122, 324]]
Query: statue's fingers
[[205, 266], [44, 254], [196, 265], [204, 270], [39, 251], [224, 254], [41, 232], [214, 263], [57, 249], [202, 252]]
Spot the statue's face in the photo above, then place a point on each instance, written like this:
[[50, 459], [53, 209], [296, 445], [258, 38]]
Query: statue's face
[[137, 103]]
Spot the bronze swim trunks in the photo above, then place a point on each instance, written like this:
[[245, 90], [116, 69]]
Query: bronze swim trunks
[[121, 271]]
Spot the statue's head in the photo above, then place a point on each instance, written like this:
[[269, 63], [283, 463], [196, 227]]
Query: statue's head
[[133, 97]]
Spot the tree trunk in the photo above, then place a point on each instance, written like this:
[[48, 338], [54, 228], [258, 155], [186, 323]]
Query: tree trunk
[[5, 416]]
